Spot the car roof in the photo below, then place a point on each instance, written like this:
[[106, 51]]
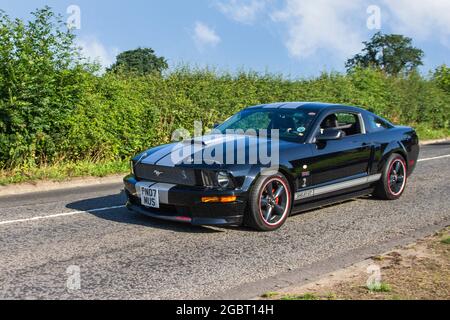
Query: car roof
[[310, 106]]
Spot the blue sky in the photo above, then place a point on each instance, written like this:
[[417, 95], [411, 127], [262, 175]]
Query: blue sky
[[298, 38]]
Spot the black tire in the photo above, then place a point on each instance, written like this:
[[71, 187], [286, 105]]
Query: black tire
[[394, 178], [270, 203]]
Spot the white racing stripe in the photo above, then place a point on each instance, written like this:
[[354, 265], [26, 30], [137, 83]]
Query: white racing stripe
[[67, 214], [58, 215], [434, 158]]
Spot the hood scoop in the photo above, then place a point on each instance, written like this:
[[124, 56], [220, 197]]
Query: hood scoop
[[210, 140]]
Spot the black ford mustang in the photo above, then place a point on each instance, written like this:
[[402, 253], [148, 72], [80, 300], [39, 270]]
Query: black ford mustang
[[323, 153]]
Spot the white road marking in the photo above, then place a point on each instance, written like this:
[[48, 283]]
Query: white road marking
[[65, 214], [434, 158]]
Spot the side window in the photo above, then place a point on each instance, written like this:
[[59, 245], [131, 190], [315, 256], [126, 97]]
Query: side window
[[376, 124], [347, 119], [347, 122]]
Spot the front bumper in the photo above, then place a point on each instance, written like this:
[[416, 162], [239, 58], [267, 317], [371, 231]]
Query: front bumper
[[183, 204]]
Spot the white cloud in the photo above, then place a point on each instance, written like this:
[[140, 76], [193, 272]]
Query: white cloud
[[205, 36], [93, 49], [243, 11], [420, 19], [314, 25], [312, 29]]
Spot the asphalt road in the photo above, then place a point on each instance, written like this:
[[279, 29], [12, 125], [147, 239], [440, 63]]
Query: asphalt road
[[123, 255]]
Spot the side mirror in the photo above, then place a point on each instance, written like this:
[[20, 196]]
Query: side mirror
[[216, 125], [330, 134]]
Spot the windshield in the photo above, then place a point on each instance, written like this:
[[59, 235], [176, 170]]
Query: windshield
[[292, 124]]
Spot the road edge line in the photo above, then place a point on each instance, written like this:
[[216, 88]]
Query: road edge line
[[58, 215]]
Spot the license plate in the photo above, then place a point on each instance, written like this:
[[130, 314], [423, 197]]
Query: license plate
[[150, 197]]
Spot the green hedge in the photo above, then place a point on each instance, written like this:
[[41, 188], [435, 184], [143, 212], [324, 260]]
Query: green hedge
[[118, 116], [121, 116]]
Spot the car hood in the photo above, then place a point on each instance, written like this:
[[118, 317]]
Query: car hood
[[213, 150]]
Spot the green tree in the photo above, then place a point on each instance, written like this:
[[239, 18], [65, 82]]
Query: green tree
[[41, 72], [141, 61], [392, 53], [442, 77]]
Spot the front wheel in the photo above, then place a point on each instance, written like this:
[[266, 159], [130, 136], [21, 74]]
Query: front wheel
[[394, 178], [270, 203]]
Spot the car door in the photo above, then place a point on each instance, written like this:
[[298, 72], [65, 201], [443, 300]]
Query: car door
[[344, 159]]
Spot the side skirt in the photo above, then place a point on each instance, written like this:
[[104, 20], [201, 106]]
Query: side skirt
[[302, 207], [336, 187]]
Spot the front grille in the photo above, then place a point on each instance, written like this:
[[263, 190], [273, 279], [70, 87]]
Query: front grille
[[170, 175], [208, 178]]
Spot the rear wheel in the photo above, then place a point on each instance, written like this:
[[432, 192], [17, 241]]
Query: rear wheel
[[269, 203], [394, 178]]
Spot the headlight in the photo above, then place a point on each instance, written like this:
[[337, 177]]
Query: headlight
[[223, 179]]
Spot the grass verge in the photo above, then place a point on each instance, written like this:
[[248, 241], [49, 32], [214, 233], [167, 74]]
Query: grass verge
[[63, 171], [306, 296], [420, 271], [379, 287]]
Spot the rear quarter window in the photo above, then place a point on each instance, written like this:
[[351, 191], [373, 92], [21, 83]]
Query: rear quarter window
[[376, 124]]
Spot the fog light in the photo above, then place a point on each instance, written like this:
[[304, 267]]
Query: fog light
[[226, 199]]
